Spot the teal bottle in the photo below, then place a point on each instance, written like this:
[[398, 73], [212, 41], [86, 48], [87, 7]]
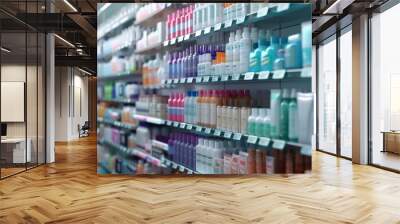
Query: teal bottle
[[284, 116], [293, 117], [269, 55], [255, 56]]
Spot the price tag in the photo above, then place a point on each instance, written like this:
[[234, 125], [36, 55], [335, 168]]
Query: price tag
[[249, 76], [167, 162], [237, 136], [175, 81], [225, 78], [240, 20], [278, 144], [207, 30], [163, 81], [166, 43], [189, 127], [169, 81], [217, 26], [198, 79], [181, 168], [207, 131], [169, 123], [264, 141], [182, 80], [215, 78], [206, 78], [198, 33], [305, 72], [190, 172], [279, 74], [174, 165], [228, 23], [176, 124], [187, 37], [235, 77], [263, 75], [189, 80], [173, 41], [199, 129], [227, 134], [180, 39], [252, 139], [306, 150], [182, 125], [262, 12], [282, 7], [217, 132]]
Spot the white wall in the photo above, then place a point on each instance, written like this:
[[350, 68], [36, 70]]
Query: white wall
[[71, 92]]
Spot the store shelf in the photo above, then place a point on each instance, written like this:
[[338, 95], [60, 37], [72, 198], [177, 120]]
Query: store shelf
[[133, 152], [156, 16], [160, 145], [119, 101], [150, 49], [117, 124], [131, 76], [124, 49], [148, 119], [280, 75], [113, 28], [179, 167], [283, 12]]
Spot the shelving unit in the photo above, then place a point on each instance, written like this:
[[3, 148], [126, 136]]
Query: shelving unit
[[276, 17], [117, 124]]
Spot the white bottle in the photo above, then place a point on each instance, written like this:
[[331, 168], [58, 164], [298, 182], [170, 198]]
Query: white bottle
[[219, 12], [213, 110], [242, 9], [245, 49], [228, 118], [205, 156], [236, 119], [186, 108], [223, 117], [212, 13], [236, 52], [251, 121], [204, 10], [219, 110], [253, 35], [229, 50], [244, 116], [198, 154]]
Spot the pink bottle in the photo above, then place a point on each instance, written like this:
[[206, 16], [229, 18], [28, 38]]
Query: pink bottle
[[183, 21], [174, 104], [190, 19], [172, 26], [170, 108], [168, 26], [181, 107], [178, 23]]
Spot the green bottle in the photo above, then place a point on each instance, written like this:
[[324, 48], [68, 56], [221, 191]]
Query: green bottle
[[267, 124], [259, 123], [284, 116], [293, 117], [251, 122]]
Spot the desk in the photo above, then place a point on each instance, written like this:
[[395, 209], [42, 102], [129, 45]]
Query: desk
[[13, 150], [391, 141]]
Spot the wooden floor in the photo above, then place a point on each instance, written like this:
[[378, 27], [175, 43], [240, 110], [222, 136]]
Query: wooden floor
[[70, 191]]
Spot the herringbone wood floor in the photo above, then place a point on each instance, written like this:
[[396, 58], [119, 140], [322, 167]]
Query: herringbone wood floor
[[70, 191]]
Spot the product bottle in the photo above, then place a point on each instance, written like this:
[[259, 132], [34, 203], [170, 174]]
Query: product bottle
[[199, 108], [199, 154], [279, 62], [255, 56], [259, 122], [245, 49], [266, 124], [213, 108], [251, 121], [293, 52], [284, 115], [194, 108], [244, 116], [236, 52], [229, 52], [293, 117], [269, 55], [186, 106]]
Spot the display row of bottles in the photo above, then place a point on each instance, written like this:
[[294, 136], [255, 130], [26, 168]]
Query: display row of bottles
[[124, 114], [119, 90], [253, 50], [152, 37], [214, 156], [120, 65], [179, 22], [125, 39], [152, 105]]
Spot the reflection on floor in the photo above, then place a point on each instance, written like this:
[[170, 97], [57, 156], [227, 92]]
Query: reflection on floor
[[70, 191], [387, 159]]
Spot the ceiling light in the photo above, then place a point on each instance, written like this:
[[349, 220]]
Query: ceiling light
[[65, 41], [70, 5], [104, 7], [5, 49], [84, 71]]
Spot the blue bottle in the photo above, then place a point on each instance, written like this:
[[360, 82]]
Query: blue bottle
[[293, 52], [255, 56], [279, 62], [269, 55]]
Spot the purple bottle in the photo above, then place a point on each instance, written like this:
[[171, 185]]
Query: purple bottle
[[174, 61], [170, 63], [189, 63], [195, 61], [171, 147]]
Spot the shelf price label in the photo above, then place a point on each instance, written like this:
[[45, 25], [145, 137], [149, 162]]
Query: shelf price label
[[240, 20], [173, 41], [227, 134], [225, 78], [217, 26], [278, 144], [199, 129], [182, 125], [263, 75], [180, 39], [249, 76], [190, 172], [174, 165], [264, 141], [169, 123], [215, 78], [206, 78], [176, 81], [166, 43], [182, 80], [189, 80], [305, 72], [176, 124], [252, 139], [198, 33], [282, 7], [198, 79], [237, 136], [169, 81], [207, 30], [207, 131], [235, 77], [262, 12], [217, 132], [187, 37], [279, 74], [189, 127], [181, 168], [228, 23]]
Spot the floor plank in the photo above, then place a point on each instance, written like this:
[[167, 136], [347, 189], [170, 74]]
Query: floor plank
[[70, 191]]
